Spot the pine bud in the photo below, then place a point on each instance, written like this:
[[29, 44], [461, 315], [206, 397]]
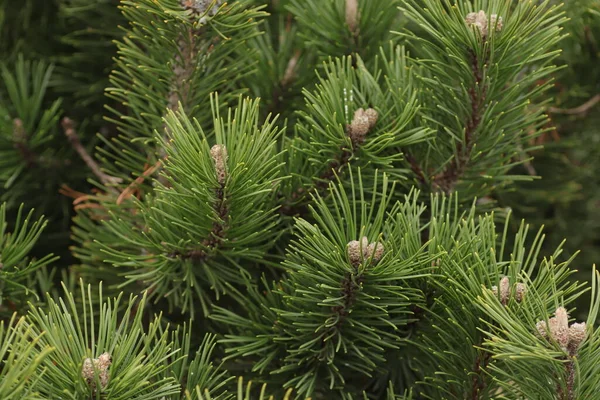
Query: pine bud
[[356, 250], [520, 292], [569, 338], [199, 7], [504, 290], [496, 22], [542, 328], [372, 116], [376, 250], [577, 334], [480, 21], [362, 122], [97, 365], [352, 16], [219, 154], [562, 318]]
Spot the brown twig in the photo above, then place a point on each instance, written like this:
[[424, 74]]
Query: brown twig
[[130, 190], [69, 129], [216, 235], [20, 143], [447, 179], [477, 381], [582, 109], [416, 168]]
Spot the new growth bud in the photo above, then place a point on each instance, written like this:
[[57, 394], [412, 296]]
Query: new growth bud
[[375, 250], [97, 365], [363, 250], [356, 250], [479, 20], [352, 16], [557, 328], [200, 7], [362, 122], [520, 290], [219, 154]]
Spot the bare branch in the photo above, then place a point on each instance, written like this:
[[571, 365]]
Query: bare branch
[[69, 129]]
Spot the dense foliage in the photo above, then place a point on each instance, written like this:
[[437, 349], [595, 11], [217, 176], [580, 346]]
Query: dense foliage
[[292, 199]]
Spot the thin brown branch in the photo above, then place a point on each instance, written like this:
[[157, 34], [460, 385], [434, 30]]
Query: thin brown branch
[[478, 378], [416, 168], [569, 393], [130, 190], [362, 122], [20, 143], [582, 109], [290, 70], [447, 179], [216, 235], [69, 129], [297, 205]]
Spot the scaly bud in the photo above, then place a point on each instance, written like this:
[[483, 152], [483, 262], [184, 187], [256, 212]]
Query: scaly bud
[[352, 16], [569, 338], [97, 365], [479, 20], [356, 250], [219, 154], [362, 122], [577, 334], [372, 116], [504, 290], [520, 292], [496, 22], [542, 328], [375, 250]]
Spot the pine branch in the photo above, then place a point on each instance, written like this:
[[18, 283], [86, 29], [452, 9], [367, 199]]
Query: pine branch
[[447, 180], [582, 109], [215, 236], [68, 126]]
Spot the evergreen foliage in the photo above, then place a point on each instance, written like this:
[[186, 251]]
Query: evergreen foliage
[[299, 199]]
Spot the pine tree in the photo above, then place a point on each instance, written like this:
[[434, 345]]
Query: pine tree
[[295, 199]]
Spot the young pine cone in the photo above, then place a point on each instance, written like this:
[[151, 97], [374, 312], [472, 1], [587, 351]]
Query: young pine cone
[[97, 365]]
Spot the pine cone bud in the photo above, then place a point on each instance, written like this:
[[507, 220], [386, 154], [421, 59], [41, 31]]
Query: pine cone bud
[[219, 154], [520, 292], [562, 338], [376, 250], [352, 16], [97, 365], [504, 290], [569, 338], [542, 328], [495, 290], [199, 7], [562, 318], [372, 116], [480, 21], [577, 334], [357, 250], [362, 122], [496, 22]]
